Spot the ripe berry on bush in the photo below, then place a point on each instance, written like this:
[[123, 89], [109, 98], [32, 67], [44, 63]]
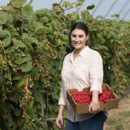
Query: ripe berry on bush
[[7, 94], [25, 104], [31, 97], [36, 52], [7, 113], [15, 71], [31, 86], [36, 64], [23, 108], [21, 72], [24, 92], [23, 116], [24, 85]]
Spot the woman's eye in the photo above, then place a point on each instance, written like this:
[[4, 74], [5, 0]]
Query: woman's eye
[[80, 36], [73, 35]]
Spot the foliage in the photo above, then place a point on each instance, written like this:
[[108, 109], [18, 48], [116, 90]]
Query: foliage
[[32, 48]]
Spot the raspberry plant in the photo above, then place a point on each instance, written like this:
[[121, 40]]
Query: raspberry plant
[[32, 48]]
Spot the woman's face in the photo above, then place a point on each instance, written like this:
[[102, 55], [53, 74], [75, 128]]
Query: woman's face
[[78, 38]]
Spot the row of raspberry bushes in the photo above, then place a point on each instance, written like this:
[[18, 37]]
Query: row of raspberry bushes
[[32, 48]]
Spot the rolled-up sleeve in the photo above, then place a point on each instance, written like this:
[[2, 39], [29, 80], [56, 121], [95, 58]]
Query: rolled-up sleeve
[[62, 100], [96, 73]]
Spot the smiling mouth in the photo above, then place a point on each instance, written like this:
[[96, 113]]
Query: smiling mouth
[[76, 43]]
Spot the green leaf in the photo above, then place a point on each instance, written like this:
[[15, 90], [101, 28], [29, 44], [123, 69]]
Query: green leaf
[[56, 27], [26, 38], [6, 42], [74, 16], [63, 38], [3, 17], [4, 33], [20, 84], [75, 3], [80, 1], [27, 10], [23, 60], [9, 50], [90, 7], [57, 8], [85, 13], [99, 17], [67, 4], [26, 67], [1, 79], [18, 3], [41, 12], [116, 16], [45, 19], [29, 58], [17, 112], [10, 18], [78, 5], [29, 107], [39, 30], [18, 43], [6, 8], [20, 61], [16, 78]]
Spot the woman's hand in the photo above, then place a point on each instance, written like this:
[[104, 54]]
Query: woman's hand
[[94, 107], [59, 121]]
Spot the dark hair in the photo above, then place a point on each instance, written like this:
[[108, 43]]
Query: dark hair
[[82, 26]]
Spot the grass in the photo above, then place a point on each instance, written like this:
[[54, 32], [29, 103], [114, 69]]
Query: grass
[[125, 114], [119, 122], [111, 122], [119, 127]]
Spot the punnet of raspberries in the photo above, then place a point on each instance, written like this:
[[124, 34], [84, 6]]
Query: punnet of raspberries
[[86, 97]]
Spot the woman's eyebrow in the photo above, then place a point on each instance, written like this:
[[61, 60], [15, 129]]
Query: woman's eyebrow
[[78, 35]]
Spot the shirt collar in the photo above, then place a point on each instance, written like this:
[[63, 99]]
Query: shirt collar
[[82, 53]]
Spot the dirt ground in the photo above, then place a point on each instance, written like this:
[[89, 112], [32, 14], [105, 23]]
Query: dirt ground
[[119, 119]]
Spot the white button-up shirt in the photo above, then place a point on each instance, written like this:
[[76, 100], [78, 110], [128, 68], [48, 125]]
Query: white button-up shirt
[[85, 71]]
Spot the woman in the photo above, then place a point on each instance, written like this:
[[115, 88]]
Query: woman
[[81, 68]]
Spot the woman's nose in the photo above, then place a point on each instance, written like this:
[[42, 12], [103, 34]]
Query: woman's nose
[[76, 39]]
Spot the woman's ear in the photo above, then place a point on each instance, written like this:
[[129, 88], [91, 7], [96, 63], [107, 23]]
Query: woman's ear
[[87, 37]]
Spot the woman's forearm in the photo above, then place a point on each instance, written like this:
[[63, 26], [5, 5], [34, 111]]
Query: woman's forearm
[[61, 109], [95, 94]]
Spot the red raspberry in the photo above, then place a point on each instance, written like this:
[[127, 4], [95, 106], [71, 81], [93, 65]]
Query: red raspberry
[[31, 97], [7, 113], [23, 108], [23, 116], [36, 64], [21, 72], [25, 104], [24, 92], [36, 52]]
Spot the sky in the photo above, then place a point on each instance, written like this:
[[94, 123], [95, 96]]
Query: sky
[[105, 8]]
